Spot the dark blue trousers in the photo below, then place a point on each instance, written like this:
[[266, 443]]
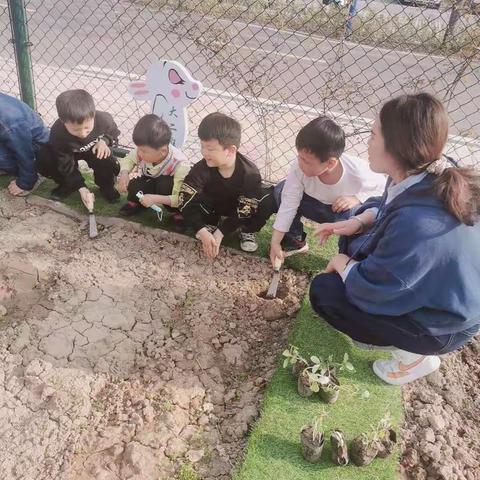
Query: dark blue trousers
[[313, 210], [328, 299]]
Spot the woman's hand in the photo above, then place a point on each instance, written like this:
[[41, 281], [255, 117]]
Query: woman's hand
[[345, 227], [337, 263]]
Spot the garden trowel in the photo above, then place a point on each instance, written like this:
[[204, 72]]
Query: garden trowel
[[92, 224], [92, 221], [272, 289]]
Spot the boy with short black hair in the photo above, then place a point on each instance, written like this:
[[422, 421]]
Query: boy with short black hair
[[22, 135], [162, 167], [223, 192], [326, 185], [80, 133]]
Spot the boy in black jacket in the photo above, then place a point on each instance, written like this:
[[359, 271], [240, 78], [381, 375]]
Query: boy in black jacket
[[223, 192], [80, 133]]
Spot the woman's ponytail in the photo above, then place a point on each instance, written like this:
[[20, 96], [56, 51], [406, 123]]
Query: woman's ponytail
[[459, 190]]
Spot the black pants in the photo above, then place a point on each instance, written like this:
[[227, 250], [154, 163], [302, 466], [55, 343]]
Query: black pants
[[161, 185], [105, 170], [329, 300], [212, 213]]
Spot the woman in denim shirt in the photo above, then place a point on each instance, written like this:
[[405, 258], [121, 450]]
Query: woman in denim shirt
[[21, 134]]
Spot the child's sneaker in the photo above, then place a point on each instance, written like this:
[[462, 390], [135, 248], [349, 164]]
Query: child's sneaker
[[130, 208], [291, 245], [61, 192], [110, 194], [248, 242]]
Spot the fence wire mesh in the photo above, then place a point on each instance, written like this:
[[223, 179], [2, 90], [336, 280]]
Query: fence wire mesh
[[272, 64]]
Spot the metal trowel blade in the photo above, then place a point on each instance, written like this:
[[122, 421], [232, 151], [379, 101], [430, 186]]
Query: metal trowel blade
[[273, 287], [92, 226]]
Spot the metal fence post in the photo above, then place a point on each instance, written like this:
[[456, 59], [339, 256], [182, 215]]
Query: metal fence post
[[18, 22]]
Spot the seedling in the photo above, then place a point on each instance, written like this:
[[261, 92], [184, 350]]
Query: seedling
[[321, 376], [312, 439], [339, 448], [378, 441], [293, 358]]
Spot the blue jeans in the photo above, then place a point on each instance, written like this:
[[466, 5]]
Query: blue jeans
[[329, 300], [22, 132], [313, 210]]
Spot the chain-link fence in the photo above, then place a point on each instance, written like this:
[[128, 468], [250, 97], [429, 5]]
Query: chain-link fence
[[272, 64]]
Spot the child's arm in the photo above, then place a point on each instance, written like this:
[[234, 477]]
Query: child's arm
[[170, 200], [178, 178], [108, 128], [188, 197], [127, 164], [63, 154]]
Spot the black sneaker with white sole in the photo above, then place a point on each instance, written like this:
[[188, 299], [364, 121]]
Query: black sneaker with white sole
[[248, 242], [291, 245]]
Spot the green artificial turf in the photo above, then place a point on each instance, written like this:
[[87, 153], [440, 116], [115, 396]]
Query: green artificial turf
[[273, 450]]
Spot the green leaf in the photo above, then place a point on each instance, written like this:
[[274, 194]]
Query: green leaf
[[315, 368], [365, 395], [314, 387], [345, 357], [314, 359], [349, 367], [286, 353], [285, 363]]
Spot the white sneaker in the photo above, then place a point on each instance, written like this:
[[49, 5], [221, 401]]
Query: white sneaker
[[368, 346], [248, 242], [405, 367]]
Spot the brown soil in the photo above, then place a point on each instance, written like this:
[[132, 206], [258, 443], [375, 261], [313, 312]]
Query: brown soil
[[441, 435], [129, 355]]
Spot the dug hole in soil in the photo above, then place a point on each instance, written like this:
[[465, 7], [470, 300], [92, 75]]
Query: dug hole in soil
[[131, 355]]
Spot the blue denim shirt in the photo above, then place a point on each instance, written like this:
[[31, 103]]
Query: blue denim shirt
[[22, 131]]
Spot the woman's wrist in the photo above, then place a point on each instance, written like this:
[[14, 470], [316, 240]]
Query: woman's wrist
[[361, 224]]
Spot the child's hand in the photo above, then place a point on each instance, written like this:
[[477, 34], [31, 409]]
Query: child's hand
[[148, 200], [209, 244], [276, 252], [88, 198], [342, 204], [101, 149], [123, 181], [218, 236], [14, 189]]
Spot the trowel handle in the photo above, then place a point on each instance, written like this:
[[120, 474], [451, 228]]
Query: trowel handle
[[277, 264]]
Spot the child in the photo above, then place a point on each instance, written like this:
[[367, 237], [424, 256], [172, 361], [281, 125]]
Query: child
[[80, 133], [224, 184], [22, 133], [325, 186], [162, 167]]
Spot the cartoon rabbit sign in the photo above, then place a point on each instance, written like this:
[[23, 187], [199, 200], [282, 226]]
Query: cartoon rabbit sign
[[170, 89]]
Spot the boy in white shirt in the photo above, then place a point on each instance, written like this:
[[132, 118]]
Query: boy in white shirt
[[325, 186]]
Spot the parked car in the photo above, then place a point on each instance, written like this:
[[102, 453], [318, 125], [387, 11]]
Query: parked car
[[421, 3]]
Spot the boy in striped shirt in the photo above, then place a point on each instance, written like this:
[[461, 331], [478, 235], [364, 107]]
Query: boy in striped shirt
[[162, 167]]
